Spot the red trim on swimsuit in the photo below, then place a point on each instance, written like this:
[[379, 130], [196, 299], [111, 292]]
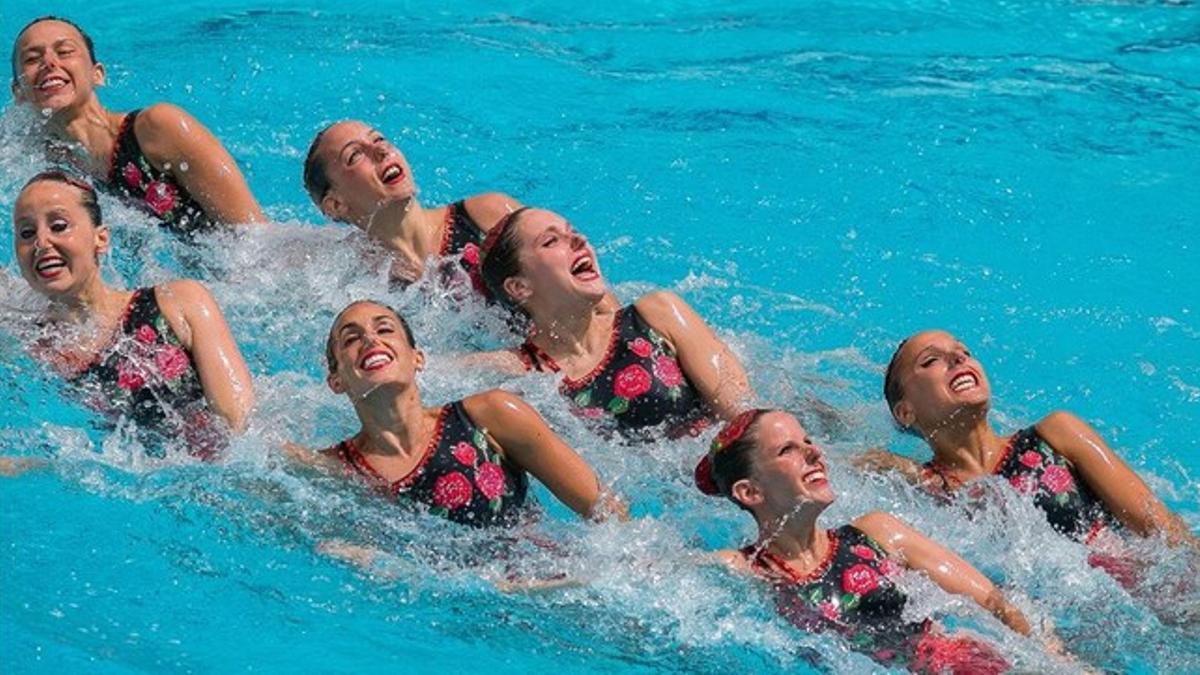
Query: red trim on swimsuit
[[537, 354], [949, 479], [112, 160], [782, 567], [349, 452], [447, 231]]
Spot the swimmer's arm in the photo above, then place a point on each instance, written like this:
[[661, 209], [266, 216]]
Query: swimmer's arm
[[197, 320], [487, 209], [171, 136], [707, 361], [946, 569], [878, 460], [732, 559], [505, 361], [524, 438], [11, 467], [317, 459], [1120, 488]]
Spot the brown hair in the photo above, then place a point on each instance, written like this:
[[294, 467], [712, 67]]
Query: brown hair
[[87, 39], [331, 356], [729, 458], [316, 180], [87, 193]]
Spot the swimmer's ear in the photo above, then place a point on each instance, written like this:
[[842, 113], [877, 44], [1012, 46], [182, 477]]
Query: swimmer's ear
[[103, 239], [16, 91], [746, 492], [517, 288], [335, 383], [99, 75], [904, 413], [333, 207], [418, 359]]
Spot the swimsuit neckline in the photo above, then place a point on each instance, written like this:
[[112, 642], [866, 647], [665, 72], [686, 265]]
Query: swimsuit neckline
[[359, 459], [448, 229], [126, 121], [113, 338], [1005, 452], [570, 384], [790, 572]]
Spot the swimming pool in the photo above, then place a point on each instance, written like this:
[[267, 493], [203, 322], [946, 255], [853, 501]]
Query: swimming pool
[[817, 180]]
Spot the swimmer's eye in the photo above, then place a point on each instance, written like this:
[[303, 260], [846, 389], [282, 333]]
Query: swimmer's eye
[[549, 241], [385, 330], [379, 139], [59, 226], [929, 361], [786, 449], [66, 50], [350, 339], [26, 233], [353, 157]]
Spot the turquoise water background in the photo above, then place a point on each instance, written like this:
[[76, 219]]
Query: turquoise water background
[[818, 180]]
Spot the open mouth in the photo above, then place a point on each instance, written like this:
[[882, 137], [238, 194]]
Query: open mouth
[[52, 83], [50, 267], [374, 360], [964, 382], [584, 268], [392, 174], [816, 476]]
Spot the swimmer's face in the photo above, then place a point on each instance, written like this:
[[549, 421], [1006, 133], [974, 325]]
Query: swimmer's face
[[53, 66], [365, 171], [787, 472], [940, 382], [371, 350], [56, 243], [555, 261]]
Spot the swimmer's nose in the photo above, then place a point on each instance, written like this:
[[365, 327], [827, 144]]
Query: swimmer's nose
[[578, 241]]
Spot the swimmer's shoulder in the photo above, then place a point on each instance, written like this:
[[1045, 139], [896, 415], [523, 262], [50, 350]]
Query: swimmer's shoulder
[[488, 208]]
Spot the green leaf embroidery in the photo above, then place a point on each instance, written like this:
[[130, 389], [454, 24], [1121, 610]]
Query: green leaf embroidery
[[440, 511], [495, 504], [584, 398], [849, 601], [618, 405], [1061, 499], [480, 440], [816, 596], [673, 393]]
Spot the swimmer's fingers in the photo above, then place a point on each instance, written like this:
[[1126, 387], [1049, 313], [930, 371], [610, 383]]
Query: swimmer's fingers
[[367, 558], [878, 460], [11, 467]]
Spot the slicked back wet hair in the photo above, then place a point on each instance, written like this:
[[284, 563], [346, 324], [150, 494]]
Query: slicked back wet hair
[[331, 356], [87, 39]]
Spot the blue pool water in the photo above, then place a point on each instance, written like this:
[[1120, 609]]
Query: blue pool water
[[818, 180]]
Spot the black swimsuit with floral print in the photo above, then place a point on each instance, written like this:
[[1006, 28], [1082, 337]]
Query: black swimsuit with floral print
[[462, 236], [638, 384], [148, 377], [851, 592], [460, 476], [1032, 467], [133, 177]]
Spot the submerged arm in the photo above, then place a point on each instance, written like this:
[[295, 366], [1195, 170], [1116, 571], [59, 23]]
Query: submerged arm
[[707, 361], [223, 373], [1120, 488], [946, 569], [525, 439], [180, 144]]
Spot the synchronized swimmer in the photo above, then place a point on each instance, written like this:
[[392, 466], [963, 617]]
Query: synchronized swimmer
[[164, 359]]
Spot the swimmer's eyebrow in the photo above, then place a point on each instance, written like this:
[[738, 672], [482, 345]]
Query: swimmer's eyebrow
[[349, 325]]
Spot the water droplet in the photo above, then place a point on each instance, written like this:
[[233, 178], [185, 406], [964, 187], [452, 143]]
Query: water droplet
[[183, 166]]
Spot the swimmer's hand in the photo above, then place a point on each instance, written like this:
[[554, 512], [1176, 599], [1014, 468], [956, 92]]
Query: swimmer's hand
[[11, 467], [553, 583], [878, 460], [367, 558], [309, 457]]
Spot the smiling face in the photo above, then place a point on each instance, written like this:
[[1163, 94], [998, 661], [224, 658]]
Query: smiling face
[[787, 470], [369, 347], [54, 67], [555, 262], [364, 170], [56, 242], [939, 381]]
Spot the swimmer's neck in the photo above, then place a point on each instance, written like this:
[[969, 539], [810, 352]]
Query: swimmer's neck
[[94, 128], [796, 539], [393, 423], [407, 228], [94, 301], [573, 331], [968, 449]]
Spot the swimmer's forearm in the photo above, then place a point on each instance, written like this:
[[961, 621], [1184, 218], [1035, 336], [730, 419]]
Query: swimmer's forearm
[[1006, 612]]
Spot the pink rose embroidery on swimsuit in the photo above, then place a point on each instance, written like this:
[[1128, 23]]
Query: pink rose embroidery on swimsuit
[[1058, 479], [145, 334], [631, 382], [171, 361], [132, 175], [829, 610], [464, 452], [666, 369], [1031, 459], [864, 552], [640, 346], [490, 479], [889, 567], [589, 413], [860, 579], [1024, 483], [129, 377], [160, 197], [470, 254], [452, 491]]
